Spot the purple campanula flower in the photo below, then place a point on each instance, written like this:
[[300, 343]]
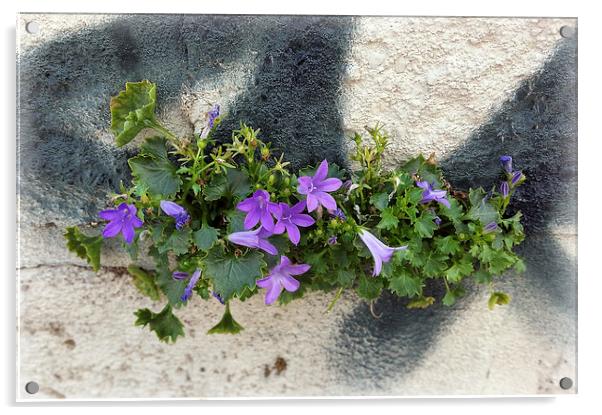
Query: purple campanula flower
[[516, 177], [338, 213], [179, 275], [211, 116], [254, 239], [429, 194], [506, 162], [332, 240], [218, 297], [259, 209], [175, 211], [490, 227], [193, 280], [123, 219], [504, 189], [380, 252], [281, 277], [316, 188], [289, 218]]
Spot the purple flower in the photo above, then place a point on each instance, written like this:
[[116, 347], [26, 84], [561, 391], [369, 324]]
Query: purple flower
[[516, 177], [338, 213], [490, 227], [179, 275], [193, 280], [506, 162], [211, 116], [218, 297], [332, 240], [123, 219], [254, 239], [429, 194], [289, 218], [259, 209], [437, 220], [175, 211], [315, 188], [380, 252], [504, 189], [281, 276]]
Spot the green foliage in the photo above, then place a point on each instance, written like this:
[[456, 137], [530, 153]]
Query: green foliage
[[85, 247], [165, 324], [445, 245], [498, 298]]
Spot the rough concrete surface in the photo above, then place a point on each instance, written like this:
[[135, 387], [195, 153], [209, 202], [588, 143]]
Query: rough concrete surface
[[468, 89]]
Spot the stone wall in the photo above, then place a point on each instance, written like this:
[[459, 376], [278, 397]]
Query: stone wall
[[468, 89]]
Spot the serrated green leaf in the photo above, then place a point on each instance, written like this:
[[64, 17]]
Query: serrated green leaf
[[459, 269], [154, 170], [234, 184], [449, 299], [380, 200], [131, 108], [345, 277], [205, 237], [448, 245], [425, 225], [434, 264], [404, 284], [231, 274], [454, 212], [369, 287], [388, 219], [482, 276], [498, 298], [227, 324], [418, 166], [85, 247], [165, 324], [480, 208], [519, 266], [145, 282], [235, 220], [178, 242], [216, 188]]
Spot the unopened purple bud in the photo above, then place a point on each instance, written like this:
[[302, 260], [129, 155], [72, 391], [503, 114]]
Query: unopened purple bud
[[338, 213], [332, 240], [180, 275], [490, 227], [516, 177], [504, 189], [506, 163]]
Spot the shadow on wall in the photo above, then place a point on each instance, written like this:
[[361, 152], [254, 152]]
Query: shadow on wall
[[293, 96], [538, 127], [66, 84]]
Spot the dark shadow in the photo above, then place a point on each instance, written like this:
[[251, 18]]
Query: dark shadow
[[538, 127]]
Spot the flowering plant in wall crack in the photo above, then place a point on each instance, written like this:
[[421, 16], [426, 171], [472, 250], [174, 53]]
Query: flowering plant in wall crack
[[226, 221]]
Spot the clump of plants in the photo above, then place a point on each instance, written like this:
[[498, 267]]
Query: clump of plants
[[224, 221]]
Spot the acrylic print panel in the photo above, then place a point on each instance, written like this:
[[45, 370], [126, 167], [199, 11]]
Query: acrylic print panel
[[467, 89]]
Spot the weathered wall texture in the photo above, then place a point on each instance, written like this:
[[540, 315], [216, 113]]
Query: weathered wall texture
[[467, 89]]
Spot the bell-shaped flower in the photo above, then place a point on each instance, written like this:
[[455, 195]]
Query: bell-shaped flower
[[175, 211], [316, 188], [380, 252], [211, 116], [289, 218], [259, 209], [506, 162], [254, 239], [429, 194], [281, 277], [123, 219]]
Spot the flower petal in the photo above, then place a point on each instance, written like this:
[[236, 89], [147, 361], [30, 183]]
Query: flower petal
[[321, 172], [302, 220], [110, 214], [112, 229], [444, 202], [296, 269], [305, 183], [267, 247], [264, 282], [289, 283], [252, 218], [293, 233], [171, 208], [279, 228], [273, 293], [330, 185], [246, 205], [136, 222], [424, 185], [298, 207], [266, 220], [284, 261], [326, 200], [312, 202], [128, 232]]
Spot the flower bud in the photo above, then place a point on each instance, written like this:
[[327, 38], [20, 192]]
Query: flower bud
[[504, 189], [506, 162]]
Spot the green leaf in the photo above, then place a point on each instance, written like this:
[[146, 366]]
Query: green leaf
[[519, 266], [369, 287], [498, 298], [173, 289], [425, 225], [345, 277], [231, 274], [85, 247], [421, 302], [434, 265], [404, 284], [235, 220], [234, 184], [131, 108], [388, 220], [145, 282], [454, 212], [380, 200], [165, 324], [452, 295], [480, 209], [227, 324], [418, 166], [459, 269], [205, 237], [447, 245], [153, 169], [178, 242], [482, 277], [216, 188]]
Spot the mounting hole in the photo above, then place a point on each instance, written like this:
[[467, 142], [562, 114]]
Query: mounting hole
[[566, 383], [567, 32], [32, 387], [32, 27]]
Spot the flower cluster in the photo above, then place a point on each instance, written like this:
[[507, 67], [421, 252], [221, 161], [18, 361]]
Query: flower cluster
[[227, 220]]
